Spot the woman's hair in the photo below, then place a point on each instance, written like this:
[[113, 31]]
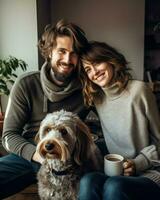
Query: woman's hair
[[62, 28], [96, 53]]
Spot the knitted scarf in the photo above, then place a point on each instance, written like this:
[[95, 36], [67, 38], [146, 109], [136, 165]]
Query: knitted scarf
[[54, 92]]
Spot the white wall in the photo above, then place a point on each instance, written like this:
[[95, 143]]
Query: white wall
[[18, 31], [117, 22]]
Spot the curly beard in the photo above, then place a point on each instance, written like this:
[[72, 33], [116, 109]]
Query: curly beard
[[64, 77]]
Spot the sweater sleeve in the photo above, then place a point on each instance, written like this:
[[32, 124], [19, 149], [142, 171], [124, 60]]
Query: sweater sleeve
[[17, 114], [149, 156]]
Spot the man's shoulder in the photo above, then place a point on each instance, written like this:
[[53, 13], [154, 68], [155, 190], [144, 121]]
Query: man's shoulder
[[28, 79], [29, 76], [27, 82]]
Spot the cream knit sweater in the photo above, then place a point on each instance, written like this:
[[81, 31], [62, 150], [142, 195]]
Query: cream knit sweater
[[131, 126]]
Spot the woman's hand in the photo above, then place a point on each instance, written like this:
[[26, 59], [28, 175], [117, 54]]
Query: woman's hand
[[129, 168]]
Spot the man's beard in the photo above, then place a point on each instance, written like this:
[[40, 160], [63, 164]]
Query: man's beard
[[64, 77]]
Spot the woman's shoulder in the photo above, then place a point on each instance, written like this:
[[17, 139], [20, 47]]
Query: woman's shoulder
[[139, 89], [138, 85]]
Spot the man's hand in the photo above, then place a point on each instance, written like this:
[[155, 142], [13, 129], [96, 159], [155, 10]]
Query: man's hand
[[37, 158], [129, 167]]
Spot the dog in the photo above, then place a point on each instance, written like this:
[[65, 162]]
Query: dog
[[66, 145]]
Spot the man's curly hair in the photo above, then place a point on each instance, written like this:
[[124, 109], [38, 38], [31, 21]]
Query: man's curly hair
[[62, 28]]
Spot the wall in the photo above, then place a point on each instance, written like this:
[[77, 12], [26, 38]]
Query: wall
[[18, 34], [118, 22], [43, 18]]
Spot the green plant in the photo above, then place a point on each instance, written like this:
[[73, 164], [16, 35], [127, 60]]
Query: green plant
[[7, 74]]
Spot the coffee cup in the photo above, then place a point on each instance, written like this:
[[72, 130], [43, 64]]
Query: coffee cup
[[113, 164]]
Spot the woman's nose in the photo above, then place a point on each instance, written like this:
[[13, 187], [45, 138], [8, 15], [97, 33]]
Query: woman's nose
[[95, 71]]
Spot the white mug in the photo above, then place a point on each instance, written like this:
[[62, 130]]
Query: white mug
[[113, 164]]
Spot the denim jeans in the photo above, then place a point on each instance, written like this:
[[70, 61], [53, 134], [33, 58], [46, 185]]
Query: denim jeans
[[97, 186], [16, 173]]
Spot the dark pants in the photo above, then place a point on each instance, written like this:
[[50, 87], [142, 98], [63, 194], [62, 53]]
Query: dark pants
[[16, 173], [97, 186]]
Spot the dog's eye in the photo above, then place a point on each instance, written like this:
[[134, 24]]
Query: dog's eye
[[63, 131], [48, 129]]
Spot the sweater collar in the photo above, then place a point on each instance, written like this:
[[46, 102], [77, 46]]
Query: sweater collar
[[54, 92], [113, 92]]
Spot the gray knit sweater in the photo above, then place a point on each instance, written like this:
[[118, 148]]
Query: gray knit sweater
[[31, 98], [131, 126]]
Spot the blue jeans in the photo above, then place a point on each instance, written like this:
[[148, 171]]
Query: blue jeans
[[97, 186], [16, 173]]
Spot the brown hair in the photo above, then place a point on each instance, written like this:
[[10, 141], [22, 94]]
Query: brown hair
[[96, 53], [62, 28]]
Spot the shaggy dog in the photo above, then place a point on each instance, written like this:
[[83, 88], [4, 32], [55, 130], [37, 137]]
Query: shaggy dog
[[67, 147]]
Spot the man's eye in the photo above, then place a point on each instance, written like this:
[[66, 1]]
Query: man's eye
[[61, 51]]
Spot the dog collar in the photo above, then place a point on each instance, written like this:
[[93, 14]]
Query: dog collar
[[61, 173]]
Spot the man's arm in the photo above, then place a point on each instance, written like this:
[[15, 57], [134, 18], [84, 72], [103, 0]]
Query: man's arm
[[17, 114]]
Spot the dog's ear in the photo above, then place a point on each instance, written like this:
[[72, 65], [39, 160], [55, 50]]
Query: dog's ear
[[86, 152], [37, 138], [83, 140]]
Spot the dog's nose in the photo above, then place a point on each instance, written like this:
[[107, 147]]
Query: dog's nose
[[49, 146]]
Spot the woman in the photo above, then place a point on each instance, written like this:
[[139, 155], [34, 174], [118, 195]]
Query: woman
[[131, 126]]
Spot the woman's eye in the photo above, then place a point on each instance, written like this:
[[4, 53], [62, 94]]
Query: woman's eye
[[87, 70], [63, 131]]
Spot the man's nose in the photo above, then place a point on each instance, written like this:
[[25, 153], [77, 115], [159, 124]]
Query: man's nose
[[67, 58]]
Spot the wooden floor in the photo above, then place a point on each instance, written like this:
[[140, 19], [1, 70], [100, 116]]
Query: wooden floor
[[30, 193]]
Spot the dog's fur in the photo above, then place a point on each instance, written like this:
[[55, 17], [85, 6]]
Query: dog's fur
[[67, 147]]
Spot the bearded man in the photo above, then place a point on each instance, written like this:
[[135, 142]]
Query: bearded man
[[56, 86]]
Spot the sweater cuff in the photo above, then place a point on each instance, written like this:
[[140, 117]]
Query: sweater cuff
[[28, 151], [141, 163]]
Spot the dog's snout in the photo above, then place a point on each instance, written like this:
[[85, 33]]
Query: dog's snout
[[49, 146]]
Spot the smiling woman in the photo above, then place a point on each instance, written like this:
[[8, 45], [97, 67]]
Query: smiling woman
[[130, 123], [101, 74]]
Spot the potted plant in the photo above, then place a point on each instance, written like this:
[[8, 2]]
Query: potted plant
[[7, 77]]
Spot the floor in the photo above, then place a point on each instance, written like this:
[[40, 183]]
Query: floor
[[30, 193]]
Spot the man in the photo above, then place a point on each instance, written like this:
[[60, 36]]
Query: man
[[34, 95]]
